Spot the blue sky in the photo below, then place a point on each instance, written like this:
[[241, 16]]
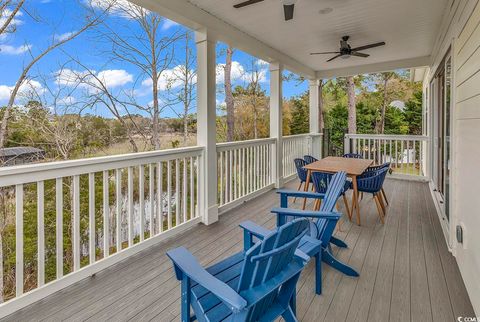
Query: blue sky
[[52, 78]]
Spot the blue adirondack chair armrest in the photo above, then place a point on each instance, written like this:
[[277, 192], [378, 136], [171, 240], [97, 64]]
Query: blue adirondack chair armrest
[[254, 229], [186, 263], [300, 194], [306, 213], [257, 293]]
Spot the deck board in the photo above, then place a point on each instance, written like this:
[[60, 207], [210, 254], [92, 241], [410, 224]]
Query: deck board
[[406, 271]]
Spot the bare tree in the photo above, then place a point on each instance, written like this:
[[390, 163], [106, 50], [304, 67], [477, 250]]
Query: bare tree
[[254, 75], [145, 47], [8, 10], [183, 84], [352, 110], [97, 92], [230, 104], [93, 18]]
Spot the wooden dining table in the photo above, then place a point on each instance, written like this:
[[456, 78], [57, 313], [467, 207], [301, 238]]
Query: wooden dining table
[[353, 168]]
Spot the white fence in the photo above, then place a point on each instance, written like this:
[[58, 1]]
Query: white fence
[[65, 221], [406, 153], [297, 146], [243, 168], [76, 214]]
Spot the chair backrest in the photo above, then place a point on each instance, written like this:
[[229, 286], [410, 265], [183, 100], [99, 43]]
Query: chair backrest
[[309, 159], [301, 172], [335, 187], [352, 156], [378, 167], [321, 181], [269, 258], [372, 181]]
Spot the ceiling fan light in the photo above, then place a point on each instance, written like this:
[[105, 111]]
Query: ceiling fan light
[[345, 56]]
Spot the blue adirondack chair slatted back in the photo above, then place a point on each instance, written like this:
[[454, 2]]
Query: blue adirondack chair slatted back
[[309, 159], [335, 188], [301, 172], [267, 259]]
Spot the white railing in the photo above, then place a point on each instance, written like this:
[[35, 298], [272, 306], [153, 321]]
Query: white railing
[[406, 153], [243, 169], [297, 146], [80, 213]]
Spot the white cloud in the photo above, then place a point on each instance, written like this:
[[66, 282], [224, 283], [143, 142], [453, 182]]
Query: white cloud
[[169, 79], [14, 22], [240, 74], [29, 88], [67, 100], [12, 50], [167, 24], [111, 78], [64, 36], [115, 77], [121, 8]]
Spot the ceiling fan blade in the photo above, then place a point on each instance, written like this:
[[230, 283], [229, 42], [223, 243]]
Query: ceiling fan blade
[[288, 9], [354, 53], [326, 53], [246, 3], [334, 58], [378, 44]]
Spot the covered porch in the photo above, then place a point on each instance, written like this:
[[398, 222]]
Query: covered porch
[[115, 267], [406, 271]]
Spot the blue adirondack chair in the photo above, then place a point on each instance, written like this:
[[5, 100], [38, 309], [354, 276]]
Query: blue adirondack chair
[[254, 285], [322, 227], [353, 156]]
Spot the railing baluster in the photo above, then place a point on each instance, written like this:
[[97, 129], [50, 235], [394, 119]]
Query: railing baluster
[[76, 223], [151, 195], [19, 239], [160, 196], [141, 196], [59, 225], [235, 173], [106, 213], [184, 189], [177, 193], [41, 233], [118, 218], [91, 217], [220, 171], [192, 192], [169, 194]]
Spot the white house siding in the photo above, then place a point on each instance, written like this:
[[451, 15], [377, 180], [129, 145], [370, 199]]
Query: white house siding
[[461, 31]]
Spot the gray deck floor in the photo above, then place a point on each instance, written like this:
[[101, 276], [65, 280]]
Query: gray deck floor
[[406, 271]]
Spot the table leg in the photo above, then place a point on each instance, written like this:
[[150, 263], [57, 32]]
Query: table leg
[[307, 183], [355, 199]]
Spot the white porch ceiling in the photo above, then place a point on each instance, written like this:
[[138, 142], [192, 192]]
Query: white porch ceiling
[[408, 27]]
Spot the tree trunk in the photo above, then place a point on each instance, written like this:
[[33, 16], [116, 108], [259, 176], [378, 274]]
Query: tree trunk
[[380, 128], [156, 111], [321, 119], [352, 110], [229, 96]]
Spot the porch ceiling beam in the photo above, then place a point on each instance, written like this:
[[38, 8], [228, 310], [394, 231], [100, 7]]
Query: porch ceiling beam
[[375, 68], [196, 18]]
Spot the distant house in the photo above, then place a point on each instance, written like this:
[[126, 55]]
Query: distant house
[[20, 155]]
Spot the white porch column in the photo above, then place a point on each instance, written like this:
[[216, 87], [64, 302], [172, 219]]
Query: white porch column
[[314, 119], [206, 125], [276, 121]]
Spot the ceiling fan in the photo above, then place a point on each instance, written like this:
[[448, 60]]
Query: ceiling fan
[[288, 7], [346, 50]]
